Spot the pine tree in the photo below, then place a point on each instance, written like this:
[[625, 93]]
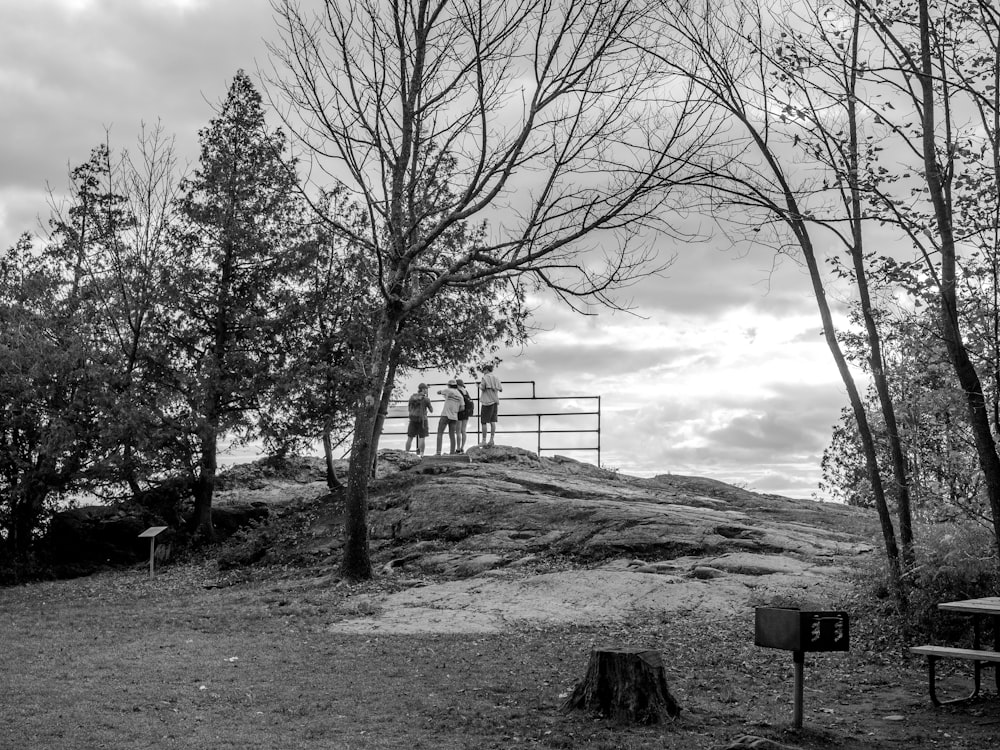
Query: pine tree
[[240, 218]]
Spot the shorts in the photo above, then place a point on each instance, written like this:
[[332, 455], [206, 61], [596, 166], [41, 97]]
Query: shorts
[[463, 416], [488, 413], [417, 428]]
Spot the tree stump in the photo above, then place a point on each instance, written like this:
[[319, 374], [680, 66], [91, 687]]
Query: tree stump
[[626, 684]]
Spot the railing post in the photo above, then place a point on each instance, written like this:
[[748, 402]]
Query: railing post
[[479, 409], [598, 431]]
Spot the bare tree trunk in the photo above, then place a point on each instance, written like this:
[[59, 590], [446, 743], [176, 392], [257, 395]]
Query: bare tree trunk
[[204, 487], [356, 563], [876, 359], [793, 216], [332, 482], [965, 370], [29, 500], [129, 468], [861, 419], [383, 407]]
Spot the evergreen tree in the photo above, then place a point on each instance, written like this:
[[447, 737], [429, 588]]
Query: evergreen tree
[[240, 216]]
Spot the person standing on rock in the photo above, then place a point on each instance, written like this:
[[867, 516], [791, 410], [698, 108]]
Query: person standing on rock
[[465, 413], [489, 403], [453, 403], [419, 407]]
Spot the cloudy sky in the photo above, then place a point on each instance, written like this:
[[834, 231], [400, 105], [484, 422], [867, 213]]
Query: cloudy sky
[[721, 372]]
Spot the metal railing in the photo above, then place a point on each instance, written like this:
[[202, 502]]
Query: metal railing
[[509, 411]]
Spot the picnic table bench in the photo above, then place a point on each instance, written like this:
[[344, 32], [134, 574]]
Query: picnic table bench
[[979, 608]]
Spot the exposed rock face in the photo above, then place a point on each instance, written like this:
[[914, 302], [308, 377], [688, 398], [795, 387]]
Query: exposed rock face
[[258, 474], [556, 507], [670, 544], [510, 537]]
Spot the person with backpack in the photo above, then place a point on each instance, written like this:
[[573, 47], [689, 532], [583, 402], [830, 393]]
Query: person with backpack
[[465, 413], [453, 403], [419, 406]]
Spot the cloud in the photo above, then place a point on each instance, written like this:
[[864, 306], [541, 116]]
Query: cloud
[[787, 426], [708, 277], [69, 71], [782, 436], [790, 483]]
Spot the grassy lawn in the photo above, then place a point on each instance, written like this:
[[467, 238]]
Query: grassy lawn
[[117, 660]]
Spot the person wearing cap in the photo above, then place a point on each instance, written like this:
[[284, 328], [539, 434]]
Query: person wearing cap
[[449, 414], [489, 403], [419, 407], [464, 414]]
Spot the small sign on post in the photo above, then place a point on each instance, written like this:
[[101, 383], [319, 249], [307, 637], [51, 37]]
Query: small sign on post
[[799, 631], [151, 533]]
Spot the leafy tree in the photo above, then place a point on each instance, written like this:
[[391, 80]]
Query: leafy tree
[[76, 306], [237, 239], [331, 320], [934, 428], [53, 391], [115, 231], [553, 119]]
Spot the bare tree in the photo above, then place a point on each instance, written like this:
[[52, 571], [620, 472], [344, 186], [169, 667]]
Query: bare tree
[[786, 172], [941, 59], [822, 75], [560, 131]]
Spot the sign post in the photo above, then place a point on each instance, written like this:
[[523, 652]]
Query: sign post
[[799, 631], [151, 533]]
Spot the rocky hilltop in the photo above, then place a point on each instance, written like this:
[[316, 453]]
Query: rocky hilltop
[[505, 536]]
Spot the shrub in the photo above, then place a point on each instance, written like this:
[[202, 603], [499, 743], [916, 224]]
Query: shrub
[[954, 561]]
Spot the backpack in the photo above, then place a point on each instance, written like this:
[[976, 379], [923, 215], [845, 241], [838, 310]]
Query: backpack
[[416, 406], [470, 405]]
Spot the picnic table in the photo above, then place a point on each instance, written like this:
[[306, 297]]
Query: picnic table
[[988, 606]]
